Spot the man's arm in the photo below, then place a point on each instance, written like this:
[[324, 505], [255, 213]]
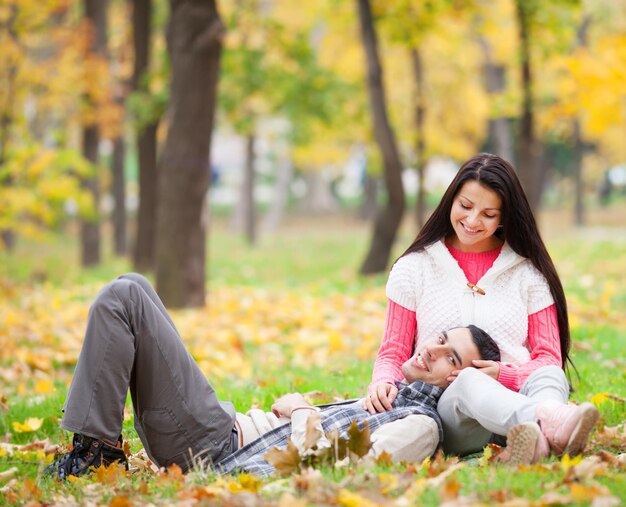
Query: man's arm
[[294, 406]]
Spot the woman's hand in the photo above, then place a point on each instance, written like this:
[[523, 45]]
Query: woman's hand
[[380, 396], [491, 368], [286, 404]]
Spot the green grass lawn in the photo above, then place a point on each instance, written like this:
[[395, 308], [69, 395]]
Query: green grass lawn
[[312, 266]]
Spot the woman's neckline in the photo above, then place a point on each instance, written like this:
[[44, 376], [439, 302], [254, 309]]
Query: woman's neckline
[[494, 252]]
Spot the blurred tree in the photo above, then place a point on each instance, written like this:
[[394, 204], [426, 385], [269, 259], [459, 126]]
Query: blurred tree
[[528, 147], [120, 73], [147, 108], [388, 219], [411, 24], [194, 38], [587, 104], [500, 139], [543, 30], [12, 57], [41, 68], [271, 70], [95, 12]]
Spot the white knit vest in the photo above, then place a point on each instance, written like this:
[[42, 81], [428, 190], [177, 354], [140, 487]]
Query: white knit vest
[[432, 284]]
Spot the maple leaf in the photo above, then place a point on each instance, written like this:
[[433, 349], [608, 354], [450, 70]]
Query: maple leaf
[[359, 441], [285, 461], [450, 490], [313, 431], [109, 474], [175, 473], [119, 501], [384, 459]]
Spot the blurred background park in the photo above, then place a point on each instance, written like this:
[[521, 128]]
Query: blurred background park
[[141, 130]]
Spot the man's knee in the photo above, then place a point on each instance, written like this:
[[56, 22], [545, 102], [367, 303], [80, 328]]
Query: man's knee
[[118, 290], [135, 277]]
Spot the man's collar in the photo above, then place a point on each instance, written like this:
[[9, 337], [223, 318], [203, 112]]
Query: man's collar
[[420, 388]]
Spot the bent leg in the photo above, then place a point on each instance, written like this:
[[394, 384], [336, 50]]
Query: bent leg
[[546, 384], [474, 406], [131, 342]]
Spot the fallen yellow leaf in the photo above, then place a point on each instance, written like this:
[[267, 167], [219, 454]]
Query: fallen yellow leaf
[[30, 424], [350, 499]]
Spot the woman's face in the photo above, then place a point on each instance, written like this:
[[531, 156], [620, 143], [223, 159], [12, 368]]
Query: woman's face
[[476, 213]]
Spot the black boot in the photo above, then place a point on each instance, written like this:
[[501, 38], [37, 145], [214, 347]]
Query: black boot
[[86, 452]]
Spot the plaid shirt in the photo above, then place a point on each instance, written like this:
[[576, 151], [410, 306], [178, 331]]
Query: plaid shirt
[[415, 398]]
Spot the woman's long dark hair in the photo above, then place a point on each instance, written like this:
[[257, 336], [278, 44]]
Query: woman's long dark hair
[[519, 228]]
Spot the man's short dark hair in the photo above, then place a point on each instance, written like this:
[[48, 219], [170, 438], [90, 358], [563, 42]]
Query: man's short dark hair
[[487, 348]]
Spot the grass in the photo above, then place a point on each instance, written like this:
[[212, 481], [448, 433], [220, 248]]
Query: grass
[[319, 259]]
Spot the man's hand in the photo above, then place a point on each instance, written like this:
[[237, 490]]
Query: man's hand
[[286, 404], [380, 396], [490, 368]]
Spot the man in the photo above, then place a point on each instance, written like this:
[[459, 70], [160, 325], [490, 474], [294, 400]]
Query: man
[[410, 431], [131, 342]]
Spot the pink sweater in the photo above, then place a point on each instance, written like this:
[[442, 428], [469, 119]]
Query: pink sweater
[[401, 325]]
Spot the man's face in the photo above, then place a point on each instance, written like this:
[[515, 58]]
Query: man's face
[[432, 363]]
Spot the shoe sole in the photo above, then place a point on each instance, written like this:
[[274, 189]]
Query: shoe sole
[[521, 441], [579, 437]]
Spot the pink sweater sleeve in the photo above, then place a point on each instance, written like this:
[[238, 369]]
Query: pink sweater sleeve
[[397, 344], [545, 349]]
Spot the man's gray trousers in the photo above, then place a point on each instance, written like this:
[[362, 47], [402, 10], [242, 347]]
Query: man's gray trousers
[[131, 342]]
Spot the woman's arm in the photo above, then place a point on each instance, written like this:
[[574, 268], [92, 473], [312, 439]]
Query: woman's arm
[[544, 345], [397, 343], [395, 349]]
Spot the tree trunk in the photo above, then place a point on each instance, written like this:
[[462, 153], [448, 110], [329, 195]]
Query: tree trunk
[[247, 194], [579, 147], [499, 128], [420, 112], [144, 251], [369, 205], [389, 217], [527, 166], [90, 226], [194, 37], [144, 248], [274, 216], [119, 196], [7, 235], [96, 14]]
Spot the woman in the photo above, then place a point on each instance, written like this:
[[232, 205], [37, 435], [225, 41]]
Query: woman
[[480, 259]]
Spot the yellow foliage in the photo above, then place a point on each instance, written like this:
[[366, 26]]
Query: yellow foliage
[[350, 499], [30, 424], [599, 398], [567, 462]]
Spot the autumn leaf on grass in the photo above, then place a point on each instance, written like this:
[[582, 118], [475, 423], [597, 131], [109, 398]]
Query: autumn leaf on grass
[[120, 501], [611, 437], [384, 459], [109, 474], [285, 461], [441, 464], [313, 430], [450, 490], [359, 441], [350, 499], [338, 445], [30, 424]]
